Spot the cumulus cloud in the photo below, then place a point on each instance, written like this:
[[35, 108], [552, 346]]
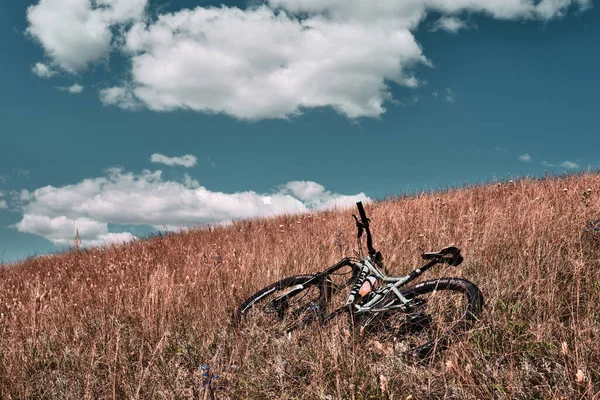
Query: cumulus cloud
[[62, 230], [314, 195], [75, 33], [565, 164], [73, 89], [119, 96], [569, 164], [125, 198], [450, 96], [3, 204], [258, 63], [525, 157], [410, 12], [269, 61], [449, 24], [187, 160], [42, 70]]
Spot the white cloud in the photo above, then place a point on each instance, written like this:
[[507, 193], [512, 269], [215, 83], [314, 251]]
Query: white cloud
[[449, 24], [314, 195], [62, 230], [525, 157], [305, 190], [450, 96], [146, 199], [75, 33], [268, 61], [119, 96], [267, 65], [42, 70], [3, 204], [187, 160], [565, 164], [73, 89], [569, 164], [410, 12]]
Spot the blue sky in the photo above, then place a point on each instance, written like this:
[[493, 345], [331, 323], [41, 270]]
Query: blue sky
[[282, 106]]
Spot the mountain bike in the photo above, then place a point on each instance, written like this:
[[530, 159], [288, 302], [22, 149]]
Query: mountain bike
[[426, 316]]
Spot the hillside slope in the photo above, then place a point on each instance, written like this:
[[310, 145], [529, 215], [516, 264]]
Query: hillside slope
[[138, 320]]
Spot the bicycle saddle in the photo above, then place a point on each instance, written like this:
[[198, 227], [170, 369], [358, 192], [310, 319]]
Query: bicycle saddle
[[448, 255]]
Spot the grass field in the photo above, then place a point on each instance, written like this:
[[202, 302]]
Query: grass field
[[139, 320]]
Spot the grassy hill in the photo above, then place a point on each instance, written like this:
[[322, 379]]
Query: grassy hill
[[138, 320]]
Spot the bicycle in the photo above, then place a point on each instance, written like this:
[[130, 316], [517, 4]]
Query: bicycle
[[413, 313]]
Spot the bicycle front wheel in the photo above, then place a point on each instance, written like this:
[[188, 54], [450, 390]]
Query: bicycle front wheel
[[441, 309], [285, 305]]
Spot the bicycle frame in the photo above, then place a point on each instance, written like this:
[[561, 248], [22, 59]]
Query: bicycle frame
[[364, 268], [392, 283]]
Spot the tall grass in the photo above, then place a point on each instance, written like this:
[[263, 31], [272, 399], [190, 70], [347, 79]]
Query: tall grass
[[138, 320]]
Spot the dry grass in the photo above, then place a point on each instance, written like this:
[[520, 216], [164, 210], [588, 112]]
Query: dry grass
[[138, 320]]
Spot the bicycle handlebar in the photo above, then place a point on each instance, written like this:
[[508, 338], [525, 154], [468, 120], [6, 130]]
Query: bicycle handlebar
[[365, 224], [363, 216]]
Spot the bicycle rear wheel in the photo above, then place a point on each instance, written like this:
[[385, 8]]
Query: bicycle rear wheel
[[441, 309], [285, 305]]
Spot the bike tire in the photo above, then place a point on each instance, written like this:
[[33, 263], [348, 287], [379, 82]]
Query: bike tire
[[426, 332], [309, 305]]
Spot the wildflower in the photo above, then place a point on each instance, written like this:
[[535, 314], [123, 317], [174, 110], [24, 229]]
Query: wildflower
[[208, 377], [564, 348], [383, 383], [580, 376], [377, 346], [593, 227]]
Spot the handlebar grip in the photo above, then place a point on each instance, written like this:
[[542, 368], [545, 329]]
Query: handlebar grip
[[361, 211]]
